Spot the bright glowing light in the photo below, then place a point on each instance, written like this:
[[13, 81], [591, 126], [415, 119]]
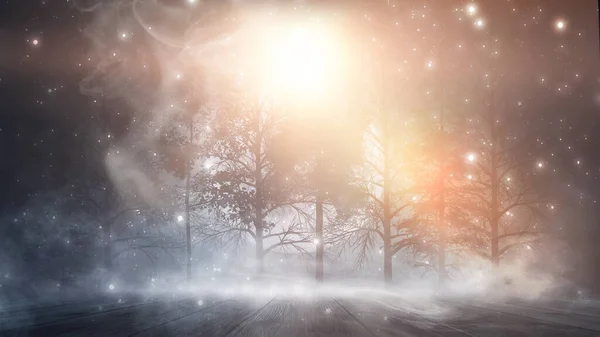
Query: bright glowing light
[[471, 157], [471, 9], [560, 24], [316, 241], [35, 42], [180, 218], [470, 177], [540, 164], [300, 61], [479, 23], [200, 302], [111, 287]]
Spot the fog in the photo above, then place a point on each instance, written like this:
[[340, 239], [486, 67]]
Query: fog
[[55, 247]]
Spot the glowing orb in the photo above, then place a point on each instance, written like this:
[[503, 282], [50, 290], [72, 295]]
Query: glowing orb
[[479, 23], [35, 42], [180, 218], [471, 9], [301, 61], [200, 302], [560, 25], [540, 164], [471, 157], [111, 287]]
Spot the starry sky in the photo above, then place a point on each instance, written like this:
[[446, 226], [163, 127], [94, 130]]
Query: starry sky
[[44, 53]]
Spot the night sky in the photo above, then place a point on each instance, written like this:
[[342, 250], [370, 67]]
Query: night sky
[[43, 59]]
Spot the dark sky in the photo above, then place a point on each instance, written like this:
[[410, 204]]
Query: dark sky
[[43, 54]]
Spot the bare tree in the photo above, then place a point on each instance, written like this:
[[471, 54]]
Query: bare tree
[[182, 151], [252, 197], [502, 196], [327, 140]]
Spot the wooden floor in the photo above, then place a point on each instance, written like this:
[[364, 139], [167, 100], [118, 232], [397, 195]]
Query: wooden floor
[[290, 317]]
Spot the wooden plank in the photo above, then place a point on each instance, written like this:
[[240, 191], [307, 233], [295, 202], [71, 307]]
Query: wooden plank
[[398, 319], [213, 321], [283, 317], [96, 324], [40, 316], [319, 317], [580, 308], [266, 321], [487, 322]]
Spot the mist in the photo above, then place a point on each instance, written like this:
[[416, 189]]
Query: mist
[[222, 154]]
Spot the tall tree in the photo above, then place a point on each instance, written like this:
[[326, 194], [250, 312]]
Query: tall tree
[[182, 148], [386, 98], [327, 140], [503, 196], [251, 196]]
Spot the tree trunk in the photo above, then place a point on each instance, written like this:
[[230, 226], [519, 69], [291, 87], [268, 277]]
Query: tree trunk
[[107, 249], [443, 274], [260, 254], [387, 255], [494, 205], [443, 229], [387, 223], [387, 180], [188, 226], [319, 237], [495, 257], [258, 195]]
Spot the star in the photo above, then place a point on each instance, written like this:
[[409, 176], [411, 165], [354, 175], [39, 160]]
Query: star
[[471, 9]]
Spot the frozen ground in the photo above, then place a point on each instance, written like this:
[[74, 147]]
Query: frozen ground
[[298, 312]]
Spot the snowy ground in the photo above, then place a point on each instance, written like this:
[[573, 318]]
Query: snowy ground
[[359, 312]]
